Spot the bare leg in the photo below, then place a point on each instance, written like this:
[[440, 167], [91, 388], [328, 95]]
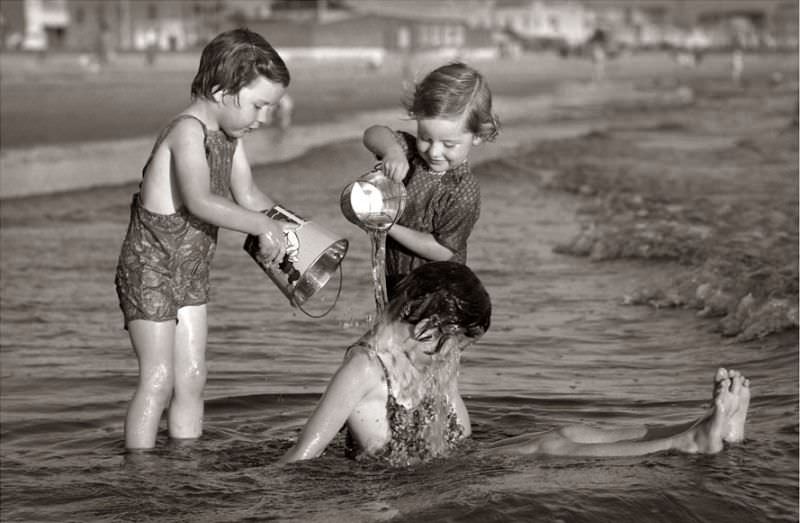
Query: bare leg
[[153, 343], [726, 419], [186, 409]]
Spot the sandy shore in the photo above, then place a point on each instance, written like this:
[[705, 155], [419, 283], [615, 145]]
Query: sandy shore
[[99, 129], [56, 168]]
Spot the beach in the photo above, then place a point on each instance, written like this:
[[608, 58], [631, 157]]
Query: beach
[[634, 235], [64, 128]]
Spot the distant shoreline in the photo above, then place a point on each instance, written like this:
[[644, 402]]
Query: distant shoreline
[[59, 168], [111, 130]]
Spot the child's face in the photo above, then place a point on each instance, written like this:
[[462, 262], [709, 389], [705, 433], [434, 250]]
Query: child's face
[[444, 143], [255, 101]]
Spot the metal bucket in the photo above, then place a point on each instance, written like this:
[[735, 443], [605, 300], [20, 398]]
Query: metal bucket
[[320, 254], [374, 201]]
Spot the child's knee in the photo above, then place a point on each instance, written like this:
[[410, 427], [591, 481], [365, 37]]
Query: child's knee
[[555, 443], [157, 382], [192, 379], [573, 432]]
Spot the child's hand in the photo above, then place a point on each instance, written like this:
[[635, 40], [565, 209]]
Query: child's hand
[[395, 166], [271, 248], [272, 244], [292, 245]]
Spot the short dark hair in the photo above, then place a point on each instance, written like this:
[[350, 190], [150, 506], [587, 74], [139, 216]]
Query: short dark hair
[[235, 58], [448, 294], [451, 91]]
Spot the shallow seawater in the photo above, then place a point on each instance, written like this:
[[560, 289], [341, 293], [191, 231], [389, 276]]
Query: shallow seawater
[[562, 349]]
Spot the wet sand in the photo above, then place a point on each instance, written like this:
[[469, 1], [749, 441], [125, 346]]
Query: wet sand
[[710, 185]]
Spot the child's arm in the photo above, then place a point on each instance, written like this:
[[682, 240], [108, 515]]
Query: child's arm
[[356, 377], [381, 142], [244, 189], [422, 243], [454, 219], [462, 414], [193, 179]]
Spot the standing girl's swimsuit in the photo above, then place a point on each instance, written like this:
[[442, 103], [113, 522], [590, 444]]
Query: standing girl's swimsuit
[[165, 259]]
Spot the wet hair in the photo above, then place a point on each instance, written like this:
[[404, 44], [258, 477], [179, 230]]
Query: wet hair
[[235, 58], [452, 91], [447, 295]]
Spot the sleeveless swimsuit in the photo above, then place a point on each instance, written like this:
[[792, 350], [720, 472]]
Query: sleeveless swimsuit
[[408, 443], [165, 258]]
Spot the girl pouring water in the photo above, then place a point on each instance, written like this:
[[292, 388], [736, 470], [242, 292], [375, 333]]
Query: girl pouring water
[[452, 107], [197, 164]]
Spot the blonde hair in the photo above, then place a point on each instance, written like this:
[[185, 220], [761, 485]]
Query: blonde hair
[[452, 91]]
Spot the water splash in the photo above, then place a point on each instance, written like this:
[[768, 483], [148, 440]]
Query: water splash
[[378, 242], [423, 421]]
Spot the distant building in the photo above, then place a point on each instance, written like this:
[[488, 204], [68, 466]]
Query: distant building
[[543, 23], [121, 25], [394, 25], [407, 26], [672, 22]]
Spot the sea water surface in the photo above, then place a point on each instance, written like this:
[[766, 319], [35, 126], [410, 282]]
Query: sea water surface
[[562, 349]]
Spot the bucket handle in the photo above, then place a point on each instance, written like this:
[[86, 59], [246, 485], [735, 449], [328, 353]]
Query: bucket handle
[[335, 301]]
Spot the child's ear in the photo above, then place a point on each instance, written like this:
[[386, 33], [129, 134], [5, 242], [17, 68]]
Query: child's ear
[[425, 330], [217, 94]]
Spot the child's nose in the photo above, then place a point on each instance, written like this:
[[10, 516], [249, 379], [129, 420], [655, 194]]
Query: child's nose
[[263, 115], [436, 149]]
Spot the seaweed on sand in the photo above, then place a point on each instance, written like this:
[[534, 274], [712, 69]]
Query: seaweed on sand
[[713, 191]]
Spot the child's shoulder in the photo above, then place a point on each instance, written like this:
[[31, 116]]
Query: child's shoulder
[[405, 139], [362, 363], [361, 348], [183, 129], [188, 125]]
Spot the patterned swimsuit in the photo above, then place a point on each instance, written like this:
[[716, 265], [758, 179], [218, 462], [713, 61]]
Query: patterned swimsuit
[[165, 259], [410, 440]]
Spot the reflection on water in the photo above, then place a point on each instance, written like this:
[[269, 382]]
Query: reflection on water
[[561, 350]]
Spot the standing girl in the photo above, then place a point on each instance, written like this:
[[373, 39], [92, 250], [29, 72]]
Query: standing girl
[[197, 164], [453, 110]]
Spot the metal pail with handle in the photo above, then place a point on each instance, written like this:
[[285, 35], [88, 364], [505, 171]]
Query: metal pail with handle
[[319, 255]]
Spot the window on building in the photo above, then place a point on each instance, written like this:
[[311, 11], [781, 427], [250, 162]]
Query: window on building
[[454, 36]]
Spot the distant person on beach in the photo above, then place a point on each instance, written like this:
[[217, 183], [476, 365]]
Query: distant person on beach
[[197, 163], [452, 107], [598, 50], [397, 389]]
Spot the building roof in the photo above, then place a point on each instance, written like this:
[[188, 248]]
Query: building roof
[[424, 10]]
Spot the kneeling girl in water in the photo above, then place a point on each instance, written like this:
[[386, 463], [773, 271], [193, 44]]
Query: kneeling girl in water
[[197, 164], [397, 389]]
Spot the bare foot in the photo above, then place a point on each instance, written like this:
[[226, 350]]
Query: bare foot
[[740, 388], [708, 434]]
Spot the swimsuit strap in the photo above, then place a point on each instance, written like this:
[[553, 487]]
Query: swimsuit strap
[[386, 375], [166, 130]]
